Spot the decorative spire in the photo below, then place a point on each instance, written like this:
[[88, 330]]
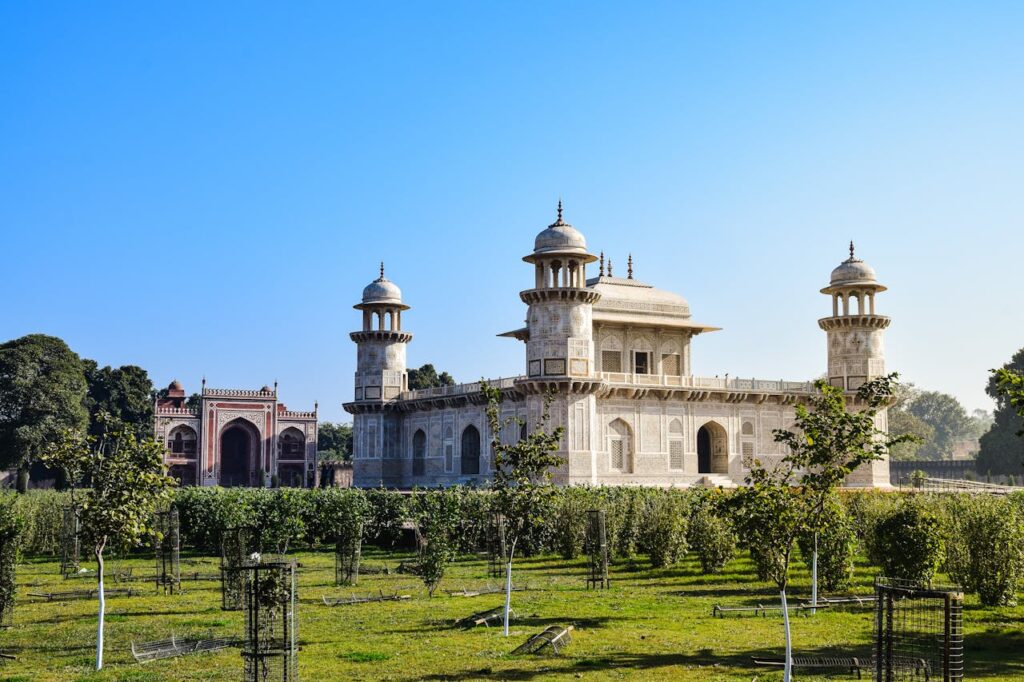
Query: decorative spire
[[851, 249], [600, 271], [629, 267], [609, 267], [382, 269], [559, 209]]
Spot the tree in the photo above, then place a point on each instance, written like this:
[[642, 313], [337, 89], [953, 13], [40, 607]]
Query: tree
[[334, 441], [42, 391], [946, 416], [1001, 449], [902, 422], [522, 476], [125, 393], [780, 504], [128, 483], [427, 377], [437, 519]]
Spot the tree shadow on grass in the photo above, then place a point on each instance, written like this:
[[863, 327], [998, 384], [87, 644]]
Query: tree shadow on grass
[[992, 654]]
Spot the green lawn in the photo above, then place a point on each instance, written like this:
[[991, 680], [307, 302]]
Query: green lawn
[[649, 625]]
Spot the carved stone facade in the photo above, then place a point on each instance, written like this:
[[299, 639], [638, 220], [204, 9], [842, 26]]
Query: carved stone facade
[[616, 352], [236, 438]]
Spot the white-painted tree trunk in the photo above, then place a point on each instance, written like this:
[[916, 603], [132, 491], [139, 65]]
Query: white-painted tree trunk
[[508, 593], [787, 670], [99, 621], [814, 578]]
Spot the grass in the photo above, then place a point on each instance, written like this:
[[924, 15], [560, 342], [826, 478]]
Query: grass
[[651, 624]]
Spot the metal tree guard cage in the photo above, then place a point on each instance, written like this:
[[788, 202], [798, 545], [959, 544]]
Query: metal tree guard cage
[[234, 554], [70, 543], [167, 547], [270, 650], [597, 549], [497, 551], [918, 632], [347, 552]]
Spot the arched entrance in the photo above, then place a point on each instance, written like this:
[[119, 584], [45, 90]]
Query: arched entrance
[[238, 443], [470, 451], [712, 453], [419, 452]]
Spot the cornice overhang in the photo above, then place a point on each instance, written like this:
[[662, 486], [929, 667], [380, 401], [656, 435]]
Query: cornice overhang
[[851, 321]]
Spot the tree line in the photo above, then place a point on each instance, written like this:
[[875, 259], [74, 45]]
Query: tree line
[[46, 388]]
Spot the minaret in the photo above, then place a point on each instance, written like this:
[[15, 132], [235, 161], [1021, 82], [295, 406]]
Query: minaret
[[560, 316], [381, 377], [560, 346], [380, 365], [856, 346]]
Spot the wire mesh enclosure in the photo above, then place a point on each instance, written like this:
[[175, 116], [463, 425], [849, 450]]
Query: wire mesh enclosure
[[918, 632], [497, 551], [70, 543], [167, 547], [597, 549], [347, 551], [270, 650], [234, 555]]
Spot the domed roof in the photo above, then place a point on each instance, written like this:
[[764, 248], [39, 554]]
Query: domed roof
[[854, 272], [560, 237], [382, 290], [175, 386]]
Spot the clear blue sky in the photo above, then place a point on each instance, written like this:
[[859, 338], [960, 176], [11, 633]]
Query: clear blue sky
[[205, 188]]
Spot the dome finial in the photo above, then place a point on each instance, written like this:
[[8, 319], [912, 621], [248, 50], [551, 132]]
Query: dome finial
[[600, 271], [851, 249], [559, 209], [609, 267], [629, 267], [382, 269]]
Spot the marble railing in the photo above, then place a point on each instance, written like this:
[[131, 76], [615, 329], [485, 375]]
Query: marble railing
[[625, 378], [294, 414], [177, 411], [237, 393], [458, 389]]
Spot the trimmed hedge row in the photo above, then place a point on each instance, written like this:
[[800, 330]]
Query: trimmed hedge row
[[977, 540]]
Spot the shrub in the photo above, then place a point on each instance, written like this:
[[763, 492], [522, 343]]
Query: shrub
[[330, 512], [388, 513], [570, 521], [985, 547], [910, 541], [836, 546], [625, 519], [42, 513], [11, 527], [866, 511], [437, 513], [711, 534], [664, 526]]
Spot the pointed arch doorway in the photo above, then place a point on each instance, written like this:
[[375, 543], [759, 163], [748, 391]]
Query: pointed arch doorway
[[712, 450], [239, 448]]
